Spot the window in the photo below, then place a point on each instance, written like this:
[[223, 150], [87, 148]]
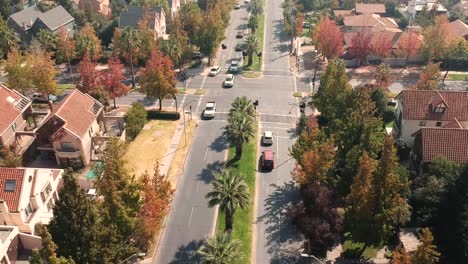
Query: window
[[438, 124], [48, 189], [13, 127], [92, 129], [439, 109], [67, 146], [10, 185], [89, 133], [28, 210], [422, 123]]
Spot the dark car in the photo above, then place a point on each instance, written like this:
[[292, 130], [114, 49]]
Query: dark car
[[240, 34], [240, 47], [267, 162]]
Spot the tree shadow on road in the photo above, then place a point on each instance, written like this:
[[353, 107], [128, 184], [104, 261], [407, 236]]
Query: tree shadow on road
[[219, 144], [187, 254], [283, 240], [206, 175]]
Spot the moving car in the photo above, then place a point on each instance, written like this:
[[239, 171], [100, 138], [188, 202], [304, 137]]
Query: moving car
[[210, 110], [267, 138], [229, 82], [214, 71], [240, 47], [234, 67], [42, 98], [267, 160], [240, 34]]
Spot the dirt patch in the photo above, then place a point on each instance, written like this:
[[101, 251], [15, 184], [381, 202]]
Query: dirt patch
[[150, 145]]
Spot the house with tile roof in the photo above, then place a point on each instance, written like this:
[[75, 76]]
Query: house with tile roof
[[459, 29], [28, 22], [461, 7], [132, 15], [362, 8], [417, 109], [27, 196], [67, 134], [100, 6], [369, 22]]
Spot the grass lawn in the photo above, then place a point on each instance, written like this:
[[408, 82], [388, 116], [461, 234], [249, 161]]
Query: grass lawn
[[390, 124], [257, 62], [458, 77], [243, 218], [352, 249], [199, 91], [64, 86], [251, 74], [151, 144]]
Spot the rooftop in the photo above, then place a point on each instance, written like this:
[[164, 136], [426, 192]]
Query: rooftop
[[450, 143], [53, 19], [11, 183], [12, 104], [131, 16], [374, 21], [370, 8], [458, 28]]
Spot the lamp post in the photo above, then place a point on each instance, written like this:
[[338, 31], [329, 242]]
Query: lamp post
[[136, 255], [183, 110], [311, 256]]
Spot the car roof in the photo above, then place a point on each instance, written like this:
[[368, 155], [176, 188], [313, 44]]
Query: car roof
[[234, 62], [267, 154], [215, 67], [268, 134], [229, 76]]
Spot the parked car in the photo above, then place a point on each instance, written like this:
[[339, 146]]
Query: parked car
[[246, 1], [214, 71], [229, 82], [240, 34], [42, 98], [240, 47], [234, 67], [210, 110], [267, 160], [237, 6], [196, 55], [267, 138]]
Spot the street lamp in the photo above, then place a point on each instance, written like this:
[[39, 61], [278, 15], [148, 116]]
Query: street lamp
[[311, 256], [136, 255], [183, 110]]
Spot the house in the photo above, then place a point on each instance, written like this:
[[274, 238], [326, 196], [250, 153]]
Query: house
[[66, 135], [28, 22], [417, 109], [174, 6], [370, 9], [339, 13], [132, 15], [13, 244], [459, 29], [369, 22], [417, 6], [100, 6], [462, 7], [27, 196]]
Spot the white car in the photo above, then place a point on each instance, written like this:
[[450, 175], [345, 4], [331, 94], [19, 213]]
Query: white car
[[267, 138], [44, 98], [237, 6], [214, 71], [210, 110], [229, 82], [246, 1], [234, 67]]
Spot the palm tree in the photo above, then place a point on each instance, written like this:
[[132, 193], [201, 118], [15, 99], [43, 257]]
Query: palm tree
[[239, 130], [173, 49], [129, 43], [253, 23], [8, 39], [242, 105], [256, 7], [252, 46], [220, 249], [229, 192]]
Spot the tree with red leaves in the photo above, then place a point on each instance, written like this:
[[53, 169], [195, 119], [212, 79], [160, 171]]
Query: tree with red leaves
[[409, 45], [361, 46], [88, 80], [328, 38], [157, 79], [382, 47], [111, 79]]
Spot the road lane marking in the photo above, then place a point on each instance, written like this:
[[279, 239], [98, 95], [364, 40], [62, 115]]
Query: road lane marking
[[190, 218], [183, 100], [206, 153], [199, 103], [198, 186], [277, 147]]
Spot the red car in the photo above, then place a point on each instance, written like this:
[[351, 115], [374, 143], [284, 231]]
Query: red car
[[267, 160]]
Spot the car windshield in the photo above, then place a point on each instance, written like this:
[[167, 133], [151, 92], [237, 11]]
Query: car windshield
[[234, 63], [214, 69], [209, 108], [229, 78]]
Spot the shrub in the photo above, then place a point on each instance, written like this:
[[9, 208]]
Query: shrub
[[135, 119], [163, 115], [389, 114]]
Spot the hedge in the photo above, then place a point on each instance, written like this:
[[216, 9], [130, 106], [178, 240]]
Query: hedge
[[163, 115]]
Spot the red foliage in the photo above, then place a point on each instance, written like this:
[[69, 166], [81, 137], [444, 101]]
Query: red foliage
[[409, 44], [382, 47], [88, 80], [299, 21], [328, 38], [361, 45], [111, 79]]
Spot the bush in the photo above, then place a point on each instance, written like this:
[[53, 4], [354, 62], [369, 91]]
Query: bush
[[135, 119], [388, 115], [163, 115]]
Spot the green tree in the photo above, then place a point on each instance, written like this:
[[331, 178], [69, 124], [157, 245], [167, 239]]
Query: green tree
[[127, 43], [76, 224], [252, 45], [191, 17], [229, 192], [242, 105], [429, 77], [211, 33], [220, 249], [47, 254], [88, 42], [333, 91], [256, 7], [9, 158], [436, 38], [43, 71], [253, 23], [146, 43], [19, 73], [135, 119], [48, 40], [426, 252], [157, 79], [8, 39], [239, 130]]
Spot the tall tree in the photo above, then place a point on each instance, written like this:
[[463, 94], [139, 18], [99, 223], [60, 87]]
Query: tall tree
[[8, 39], [88, 80], [256, 7], [48, 40], [156, 200], [429, 77], [65, 48], [242, 105], [157, 79], [382, 76], [240, 129], [400, 256], [88, 42], [409, 45], [43, 71], [253, 23], [328, 38], [127, 43], [47, 253], [229, 192], [361, 46], [436, 38], [220, 249], [334, 89], [111, 79], [211, 33], [382, 47], [252, 45], [19, 73], [76, 225], [426, 252], [191, 17], [146, 40]]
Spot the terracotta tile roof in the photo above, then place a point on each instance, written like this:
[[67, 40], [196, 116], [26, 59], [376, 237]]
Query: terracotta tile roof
[[416, 105], [9, 99], [374, 21], [453, 124], [393, 36], [450, 143], [370, 8], [458, 28], [416, 37], [342, 13], [12, 198], [76, 110]]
